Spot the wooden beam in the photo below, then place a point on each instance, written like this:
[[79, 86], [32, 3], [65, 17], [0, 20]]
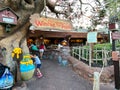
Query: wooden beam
[[57, 34]]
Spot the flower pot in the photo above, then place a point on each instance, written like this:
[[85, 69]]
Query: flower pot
[[27, 71], [27, 75]]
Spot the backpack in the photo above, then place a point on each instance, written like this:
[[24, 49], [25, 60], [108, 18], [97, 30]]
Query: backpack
[[34, 47]]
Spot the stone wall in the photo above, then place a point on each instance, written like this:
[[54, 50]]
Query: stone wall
[[87, 72]]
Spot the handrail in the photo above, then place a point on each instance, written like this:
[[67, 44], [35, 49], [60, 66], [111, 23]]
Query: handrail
[[83, 53]]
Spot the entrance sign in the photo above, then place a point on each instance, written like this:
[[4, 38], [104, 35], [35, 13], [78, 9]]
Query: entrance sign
[[92, 37], [115, 35], [50, 23]]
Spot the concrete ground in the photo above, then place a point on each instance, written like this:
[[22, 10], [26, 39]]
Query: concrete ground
[[57, 77]]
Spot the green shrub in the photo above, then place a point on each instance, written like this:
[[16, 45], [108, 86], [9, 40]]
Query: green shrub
[[107, 46]]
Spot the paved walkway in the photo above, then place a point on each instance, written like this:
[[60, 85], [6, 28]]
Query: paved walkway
[[57, 77]]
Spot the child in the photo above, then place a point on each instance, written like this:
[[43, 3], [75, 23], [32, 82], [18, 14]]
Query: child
[[38, 64]]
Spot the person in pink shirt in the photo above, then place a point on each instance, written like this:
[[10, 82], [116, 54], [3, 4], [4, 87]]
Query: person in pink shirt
[[41, 49]]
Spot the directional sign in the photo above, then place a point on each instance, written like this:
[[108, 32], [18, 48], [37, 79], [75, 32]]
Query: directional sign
[[115, 35], [112, 26], [115, 55]]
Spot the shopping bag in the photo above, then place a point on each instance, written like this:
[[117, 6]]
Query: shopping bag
[[2, 69], [6, 80]]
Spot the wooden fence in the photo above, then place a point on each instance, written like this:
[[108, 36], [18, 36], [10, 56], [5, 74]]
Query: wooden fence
[[94, 56]]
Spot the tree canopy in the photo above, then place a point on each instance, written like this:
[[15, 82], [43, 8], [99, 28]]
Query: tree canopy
[[82, 13]]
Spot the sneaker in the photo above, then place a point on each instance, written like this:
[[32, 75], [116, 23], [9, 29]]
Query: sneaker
[[39, 75]]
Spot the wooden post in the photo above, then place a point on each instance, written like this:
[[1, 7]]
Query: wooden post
[[79, 53], [116, 69], [96, 84], [105, 58], [90, 55]]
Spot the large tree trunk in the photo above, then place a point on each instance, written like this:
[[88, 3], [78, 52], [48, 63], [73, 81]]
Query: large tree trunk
[[17, 37], [14, 41]]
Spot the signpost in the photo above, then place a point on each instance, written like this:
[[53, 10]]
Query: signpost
[[115, 36], [91, 38], [116, 68]]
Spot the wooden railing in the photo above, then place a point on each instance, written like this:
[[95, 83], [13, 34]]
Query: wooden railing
[[83, 53]]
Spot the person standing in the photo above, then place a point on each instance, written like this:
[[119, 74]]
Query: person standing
[[41, 49]]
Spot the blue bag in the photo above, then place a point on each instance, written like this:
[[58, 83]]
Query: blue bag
[[2, 69], [6, 81]]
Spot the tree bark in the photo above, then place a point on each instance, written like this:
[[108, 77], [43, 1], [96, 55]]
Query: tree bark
[[17, 37]]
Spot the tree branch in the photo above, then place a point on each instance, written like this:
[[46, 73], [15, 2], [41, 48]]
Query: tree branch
[[81, 3]]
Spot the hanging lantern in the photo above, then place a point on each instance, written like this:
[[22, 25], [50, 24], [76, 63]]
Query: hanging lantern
[[64, 42], [8, 28]]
